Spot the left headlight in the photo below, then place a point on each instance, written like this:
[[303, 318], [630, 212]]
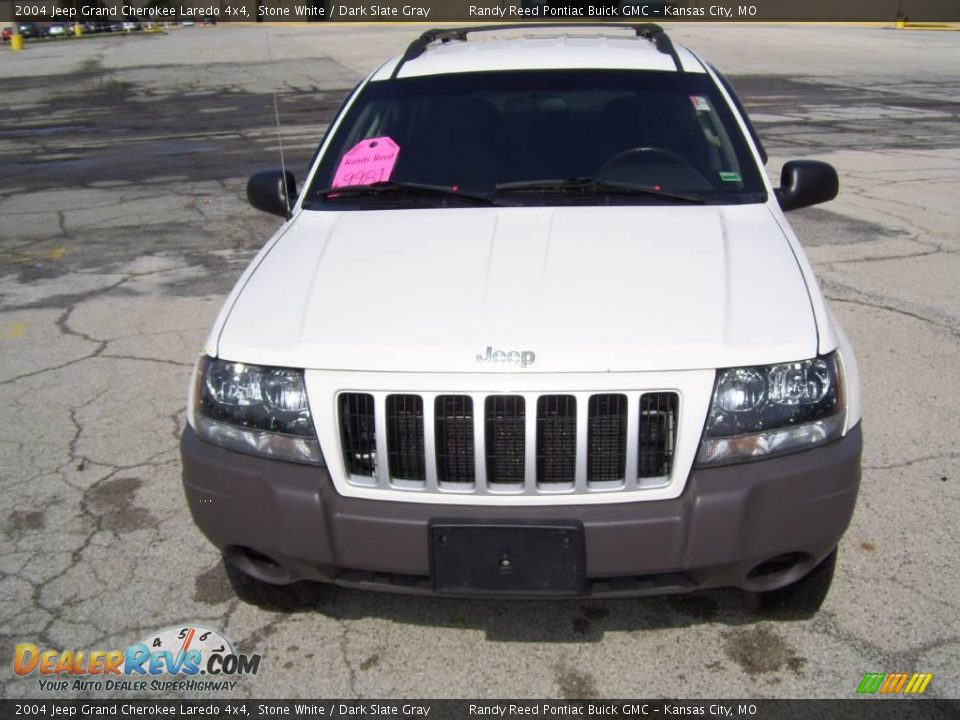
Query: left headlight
[[772, 410], [255, 409]]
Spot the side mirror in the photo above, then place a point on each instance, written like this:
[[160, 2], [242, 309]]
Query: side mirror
[[273, 191], [806, 182]]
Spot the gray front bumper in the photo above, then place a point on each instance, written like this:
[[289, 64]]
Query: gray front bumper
[[726, 522]]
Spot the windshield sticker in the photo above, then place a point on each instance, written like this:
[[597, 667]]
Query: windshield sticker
[[369, 161], [700, 104], [730, 176]]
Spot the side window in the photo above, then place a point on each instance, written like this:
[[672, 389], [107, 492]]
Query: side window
[[336, 118], [743, 113]]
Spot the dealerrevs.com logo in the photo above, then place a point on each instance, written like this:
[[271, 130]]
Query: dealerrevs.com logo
[[173, 659]]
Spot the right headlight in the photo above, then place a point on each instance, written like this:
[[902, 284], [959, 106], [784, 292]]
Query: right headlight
[[255, 409], [769, 410]]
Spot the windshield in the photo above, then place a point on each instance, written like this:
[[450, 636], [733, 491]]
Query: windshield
[[537, 138]]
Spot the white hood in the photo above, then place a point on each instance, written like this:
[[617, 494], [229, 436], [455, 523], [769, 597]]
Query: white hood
[[584, 289]]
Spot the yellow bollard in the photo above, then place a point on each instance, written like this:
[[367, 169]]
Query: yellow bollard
[[16, 42], [78, 30]]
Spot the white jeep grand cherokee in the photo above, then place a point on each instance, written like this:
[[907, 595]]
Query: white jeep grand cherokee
[[535, 326]]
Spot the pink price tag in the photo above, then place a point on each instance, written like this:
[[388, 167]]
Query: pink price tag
[[369, 161]]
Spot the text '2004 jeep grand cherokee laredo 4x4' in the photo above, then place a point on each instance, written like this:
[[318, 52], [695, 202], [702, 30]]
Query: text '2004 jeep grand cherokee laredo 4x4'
[[536, 326]]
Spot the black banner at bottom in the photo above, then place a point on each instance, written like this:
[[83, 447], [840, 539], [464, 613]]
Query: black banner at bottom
[[863, 708]]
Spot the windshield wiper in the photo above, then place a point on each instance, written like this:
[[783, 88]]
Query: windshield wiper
[[388, 187], [595, 185]]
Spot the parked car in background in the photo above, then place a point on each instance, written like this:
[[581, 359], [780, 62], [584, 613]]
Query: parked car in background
[[131, 25], [31, 30], [7, 33], [57, 31]]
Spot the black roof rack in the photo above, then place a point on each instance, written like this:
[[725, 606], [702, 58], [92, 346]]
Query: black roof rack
[[647, 31]]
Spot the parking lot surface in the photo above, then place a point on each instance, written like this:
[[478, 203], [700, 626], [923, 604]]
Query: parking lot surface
[[123, 224]]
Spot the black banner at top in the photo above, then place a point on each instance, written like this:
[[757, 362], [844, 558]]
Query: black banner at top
[[909, 12]]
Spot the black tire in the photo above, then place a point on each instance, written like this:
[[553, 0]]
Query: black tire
[[298, 596], [800, 600]]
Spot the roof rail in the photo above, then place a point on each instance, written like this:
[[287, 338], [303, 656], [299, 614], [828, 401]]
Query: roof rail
[[648, 31]]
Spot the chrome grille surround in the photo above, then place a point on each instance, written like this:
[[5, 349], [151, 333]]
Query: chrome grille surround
[[446, 415], [520, 452]]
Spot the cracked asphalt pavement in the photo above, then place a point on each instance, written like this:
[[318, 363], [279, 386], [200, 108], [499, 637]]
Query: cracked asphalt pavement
[[123, 225]]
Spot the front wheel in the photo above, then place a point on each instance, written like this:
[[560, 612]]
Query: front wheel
[[799, 600]]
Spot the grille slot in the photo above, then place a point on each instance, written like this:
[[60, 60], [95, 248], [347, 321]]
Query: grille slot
[[658, 434], [405, 446], [607, 438], [453, 421], [358, 433], [556, 439], [505, 439]]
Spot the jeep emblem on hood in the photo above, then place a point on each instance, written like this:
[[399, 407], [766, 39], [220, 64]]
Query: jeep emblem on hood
[[511, 357]]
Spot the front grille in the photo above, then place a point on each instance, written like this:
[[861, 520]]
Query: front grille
[[405, 448], [658, 434], [453, 421], [481, 443], [607, 438], [506, 439], [556, 439], [358, 433]]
